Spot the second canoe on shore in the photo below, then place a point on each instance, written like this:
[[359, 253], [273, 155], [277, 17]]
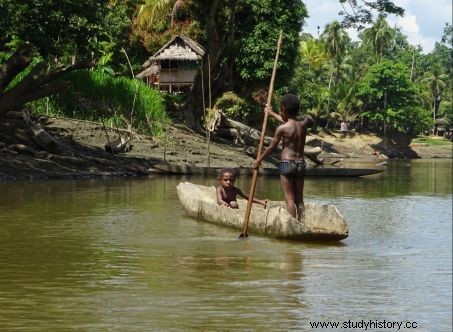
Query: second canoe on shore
[[323, 171]]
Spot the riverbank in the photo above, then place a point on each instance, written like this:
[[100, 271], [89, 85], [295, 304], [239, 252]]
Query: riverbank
[[81, 154]]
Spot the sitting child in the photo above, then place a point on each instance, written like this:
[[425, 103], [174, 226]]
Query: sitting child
[[227, 192]]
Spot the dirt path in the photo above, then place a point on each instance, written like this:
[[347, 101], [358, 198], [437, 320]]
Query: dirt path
[[82, 153]]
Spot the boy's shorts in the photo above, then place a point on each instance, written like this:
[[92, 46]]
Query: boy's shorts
[[292, 168]]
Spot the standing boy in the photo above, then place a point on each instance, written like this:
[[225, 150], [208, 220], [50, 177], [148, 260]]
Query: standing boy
[[292, 165]]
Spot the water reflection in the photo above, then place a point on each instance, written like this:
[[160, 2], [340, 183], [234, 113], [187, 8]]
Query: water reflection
[[400, 178], [122, 255]]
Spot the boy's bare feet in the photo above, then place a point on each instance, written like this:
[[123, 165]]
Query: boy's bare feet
[[300, 212]]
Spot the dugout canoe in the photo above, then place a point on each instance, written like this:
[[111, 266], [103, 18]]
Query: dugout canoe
[[321, 222], [319, 171]]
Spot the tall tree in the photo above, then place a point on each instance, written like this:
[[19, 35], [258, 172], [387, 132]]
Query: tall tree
[[152, 8], [379, 36], [64, 32], [63, 29], [349, 105], [251, 44], [435, 82], [358, 14], [334, 38], [312, 52], [258, 25], [388, 95]]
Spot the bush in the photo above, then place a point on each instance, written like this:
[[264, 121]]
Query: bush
[[97, 96], [231, 104], [237, 108]]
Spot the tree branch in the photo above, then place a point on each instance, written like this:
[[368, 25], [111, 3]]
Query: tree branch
[[40, 82], [16, 63]]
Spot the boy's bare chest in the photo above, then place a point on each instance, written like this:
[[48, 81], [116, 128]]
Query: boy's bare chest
[[229, 192]]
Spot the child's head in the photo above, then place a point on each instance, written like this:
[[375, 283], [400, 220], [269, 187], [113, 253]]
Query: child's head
[[227, 177], [291, 104]]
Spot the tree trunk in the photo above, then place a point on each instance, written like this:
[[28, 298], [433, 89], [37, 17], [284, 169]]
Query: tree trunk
[[385, 110], [434, 115], [328, 99], [240, 132], [16, 63], [42, 137], [231, 40], [39, 83], [215, 48], [412, 65]]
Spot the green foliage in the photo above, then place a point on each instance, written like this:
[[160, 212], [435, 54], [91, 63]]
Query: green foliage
[[307, 87], [234, 106], [240, 37], [387, 84], [446, 111], [95, 96], [440, 59], [348, 105], [258, 26], [390, 97], [155, 22], [379, 36], [431, 140], [7, 49], [360, 15], [312, 54], [334, 39], [411, 120], [65, 28], [103, 66], [35, 60]]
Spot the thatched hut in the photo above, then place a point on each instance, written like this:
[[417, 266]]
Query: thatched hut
[[174, 66]]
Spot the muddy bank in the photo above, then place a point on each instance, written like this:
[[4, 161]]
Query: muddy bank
[[80, 150]]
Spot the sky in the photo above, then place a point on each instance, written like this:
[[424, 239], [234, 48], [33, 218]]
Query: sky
[[423, 22]]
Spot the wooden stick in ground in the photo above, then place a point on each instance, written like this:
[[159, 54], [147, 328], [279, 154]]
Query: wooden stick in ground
[[107, 135], [260, 146]]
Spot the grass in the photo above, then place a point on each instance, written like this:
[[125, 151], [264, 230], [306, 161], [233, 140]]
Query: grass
[[96, 96], [431, 140]]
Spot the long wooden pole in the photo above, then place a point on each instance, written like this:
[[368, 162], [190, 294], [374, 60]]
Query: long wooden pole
[[260, 146]]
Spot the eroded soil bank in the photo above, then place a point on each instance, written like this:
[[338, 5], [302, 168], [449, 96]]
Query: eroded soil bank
[[81, 153]]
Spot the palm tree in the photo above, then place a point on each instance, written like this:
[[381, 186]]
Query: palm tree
[[151, 8], [349, 106], [379, 37], [320, 109], [311, 51], [435, 83], [334, 38]]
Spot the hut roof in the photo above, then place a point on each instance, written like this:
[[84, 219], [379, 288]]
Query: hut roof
[[442, 121], [148, 72], [178, 48]]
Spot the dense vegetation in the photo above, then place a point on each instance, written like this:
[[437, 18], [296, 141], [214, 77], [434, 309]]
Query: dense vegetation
[[380, 83], [118, 101]]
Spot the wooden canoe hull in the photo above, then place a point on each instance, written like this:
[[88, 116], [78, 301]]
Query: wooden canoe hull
[[322, 171], [321, 222]]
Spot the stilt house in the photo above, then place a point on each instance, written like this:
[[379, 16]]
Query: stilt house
[[174, 66]]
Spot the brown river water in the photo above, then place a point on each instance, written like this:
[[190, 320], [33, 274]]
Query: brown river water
[[121, 255]]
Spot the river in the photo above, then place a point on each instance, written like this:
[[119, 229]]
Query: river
[[120, 255]]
